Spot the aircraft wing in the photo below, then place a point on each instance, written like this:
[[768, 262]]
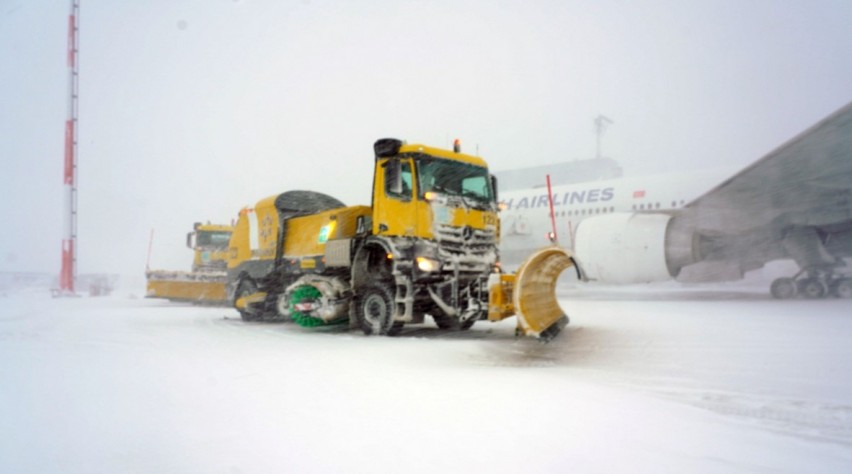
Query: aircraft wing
[[807, 181]]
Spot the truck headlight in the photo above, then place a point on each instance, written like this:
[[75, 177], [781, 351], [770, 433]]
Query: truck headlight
[[425, 264]]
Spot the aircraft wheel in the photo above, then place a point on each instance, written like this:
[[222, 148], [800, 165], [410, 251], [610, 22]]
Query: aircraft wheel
[[842, 288], [812, 288], [783, 288], [375, 310], [246, 286]]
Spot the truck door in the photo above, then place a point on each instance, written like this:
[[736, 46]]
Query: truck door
[[394, 206]]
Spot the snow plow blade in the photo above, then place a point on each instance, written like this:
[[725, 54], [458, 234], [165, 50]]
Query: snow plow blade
[[199, 288], [530, 294]]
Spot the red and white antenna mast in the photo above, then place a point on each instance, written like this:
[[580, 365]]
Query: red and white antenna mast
[[69, 240]]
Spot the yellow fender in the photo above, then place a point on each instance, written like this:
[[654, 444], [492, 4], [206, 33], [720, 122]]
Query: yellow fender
[[244, 303], [530, 294]]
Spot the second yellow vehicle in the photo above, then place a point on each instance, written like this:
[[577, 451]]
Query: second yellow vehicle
[[205, 284]]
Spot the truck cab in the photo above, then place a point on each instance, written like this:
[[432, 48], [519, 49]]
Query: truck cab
[[209, 243], [435, 222]]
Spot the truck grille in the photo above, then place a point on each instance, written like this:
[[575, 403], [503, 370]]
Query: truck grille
[[473, 249]]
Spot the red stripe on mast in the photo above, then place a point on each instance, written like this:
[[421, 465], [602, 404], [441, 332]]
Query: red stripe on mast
[[72, 47], [69, 152], [66, 275]]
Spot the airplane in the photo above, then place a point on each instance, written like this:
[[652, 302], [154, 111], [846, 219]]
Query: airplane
[[794, 203]]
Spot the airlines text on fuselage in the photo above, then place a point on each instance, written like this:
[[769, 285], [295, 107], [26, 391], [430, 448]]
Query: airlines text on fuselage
[[562, 199]]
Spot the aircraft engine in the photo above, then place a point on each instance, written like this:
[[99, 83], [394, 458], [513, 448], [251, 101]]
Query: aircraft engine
[[632, 248]]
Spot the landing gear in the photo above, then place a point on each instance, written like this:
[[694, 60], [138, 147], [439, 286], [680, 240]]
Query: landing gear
[[819, 276], [842, 288], [814, 285], [783, 288], [811, 288]]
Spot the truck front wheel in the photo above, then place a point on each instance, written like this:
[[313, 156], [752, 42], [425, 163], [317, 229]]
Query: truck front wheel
[[375, 310], [246, 286]]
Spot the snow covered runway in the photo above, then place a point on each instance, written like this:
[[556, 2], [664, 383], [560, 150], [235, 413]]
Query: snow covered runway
[[657, 380]]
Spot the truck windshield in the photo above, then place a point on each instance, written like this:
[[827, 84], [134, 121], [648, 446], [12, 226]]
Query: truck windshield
[[453, 178], [213, 239]]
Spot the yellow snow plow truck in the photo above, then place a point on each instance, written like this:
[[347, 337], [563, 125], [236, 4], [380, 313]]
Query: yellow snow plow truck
[[426, 246], [205, 284]]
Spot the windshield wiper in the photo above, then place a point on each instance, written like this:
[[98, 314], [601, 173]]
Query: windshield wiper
[[441, 189], [475, 200]]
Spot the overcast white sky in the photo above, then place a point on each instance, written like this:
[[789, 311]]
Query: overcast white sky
[[191, 109]]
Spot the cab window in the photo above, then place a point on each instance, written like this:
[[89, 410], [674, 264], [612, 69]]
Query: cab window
[[398, 179], [476, 186]]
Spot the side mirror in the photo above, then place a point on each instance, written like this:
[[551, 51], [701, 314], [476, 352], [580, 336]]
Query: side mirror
[[494, 187], [190, 240], [393, 177]]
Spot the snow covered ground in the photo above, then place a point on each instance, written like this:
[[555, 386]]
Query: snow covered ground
[[645, 379]]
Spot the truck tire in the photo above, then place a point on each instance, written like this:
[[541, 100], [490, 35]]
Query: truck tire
[[245, 286], [375, 310]]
